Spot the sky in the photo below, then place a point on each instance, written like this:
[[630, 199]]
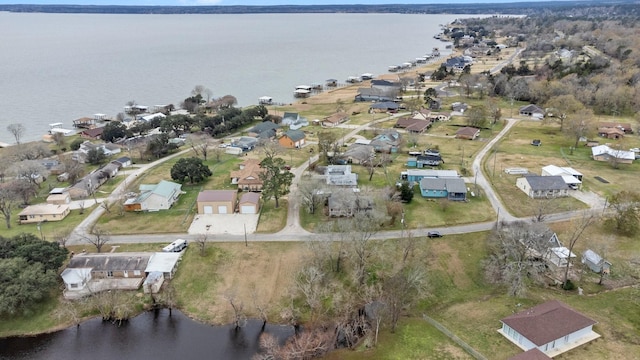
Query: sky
[[250, 2]]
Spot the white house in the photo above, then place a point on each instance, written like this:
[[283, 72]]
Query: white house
[[536, 186], [551, 327], [154, 197], [605, 153]]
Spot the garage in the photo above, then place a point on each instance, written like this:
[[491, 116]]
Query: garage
[[222, 209], [208, 209], [248, 209]]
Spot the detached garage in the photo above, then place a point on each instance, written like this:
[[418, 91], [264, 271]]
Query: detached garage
[[217, 201], [249, 203]]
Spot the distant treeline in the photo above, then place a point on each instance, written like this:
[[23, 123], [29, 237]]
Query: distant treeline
[[523, 8]]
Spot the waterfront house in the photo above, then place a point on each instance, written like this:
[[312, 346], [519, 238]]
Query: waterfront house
[[154, 197], [292, 139], [92, 133], [536, 186], [248, 176], [551, 327], [43, 212], [217, 201], [294, 121], [467, 133]]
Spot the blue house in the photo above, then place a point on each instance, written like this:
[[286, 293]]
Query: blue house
[[449, 188], [422, 161], [387, 142], [415, 176]]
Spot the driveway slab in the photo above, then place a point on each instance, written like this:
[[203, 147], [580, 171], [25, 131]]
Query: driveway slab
[[233, 224]]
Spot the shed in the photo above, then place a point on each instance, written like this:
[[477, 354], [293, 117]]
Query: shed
[[217, 201], [595, 262], [249, 203], [153, 282]]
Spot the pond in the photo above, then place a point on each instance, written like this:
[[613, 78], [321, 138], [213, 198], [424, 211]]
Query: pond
[[151, 335]]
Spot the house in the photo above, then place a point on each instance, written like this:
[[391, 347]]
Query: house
[[387, 142], [595, 262], [459, 107], [294, 121], [335, 119], [532, 110], [467, 133], [434, 104], [217, 201], [348, 203], [43, 212], [249, 203], [248, 177], [88, 274], [264, 130], [58, 196], [340, 175], [413, 124], [154, 197], [414, 176], [245, 143], [447, 188], [123, 161], [107, 148], [536, 186], [611, 133], [376, 94], [292, 139], [422, 161], [457, 63], [551, 327], [624, 127], [605, 153], [440, 116], [359, 153], [90, 183], [571, 177], [93, 133], [385, 106]]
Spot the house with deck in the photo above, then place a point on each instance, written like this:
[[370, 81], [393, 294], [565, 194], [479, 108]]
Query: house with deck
[[552, 327]]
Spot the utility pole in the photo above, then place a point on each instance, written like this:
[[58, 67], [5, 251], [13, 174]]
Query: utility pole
[[246, 244]]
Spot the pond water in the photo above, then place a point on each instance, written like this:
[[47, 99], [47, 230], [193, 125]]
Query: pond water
[[151, 335]]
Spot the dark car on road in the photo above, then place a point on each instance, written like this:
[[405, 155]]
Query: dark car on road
[[434, 234]]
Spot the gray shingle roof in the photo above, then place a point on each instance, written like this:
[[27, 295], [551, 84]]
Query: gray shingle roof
[[538, 182]]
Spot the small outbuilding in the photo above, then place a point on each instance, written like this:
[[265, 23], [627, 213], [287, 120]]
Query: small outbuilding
[[249, 203], [595, 262]]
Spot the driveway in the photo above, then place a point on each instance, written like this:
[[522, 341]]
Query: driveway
[[224, 224]]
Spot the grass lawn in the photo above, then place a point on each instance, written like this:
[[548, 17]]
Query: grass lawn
[[271, 219], [50, 229]]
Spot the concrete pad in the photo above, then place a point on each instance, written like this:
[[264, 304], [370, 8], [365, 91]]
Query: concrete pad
[[233, 224]]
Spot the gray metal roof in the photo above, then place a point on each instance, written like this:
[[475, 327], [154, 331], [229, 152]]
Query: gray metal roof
[[538, 182]]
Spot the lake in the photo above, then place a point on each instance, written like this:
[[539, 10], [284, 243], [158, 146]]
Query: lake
[[60, 67], [150, 335]]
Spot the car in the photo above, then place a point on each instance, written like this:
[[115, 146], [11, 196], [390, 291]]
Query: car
[[222, 146], [434, 234]]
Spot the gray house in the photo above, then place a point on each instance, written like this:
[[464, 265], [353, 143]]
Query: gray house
[[595, 262], [536, 186]]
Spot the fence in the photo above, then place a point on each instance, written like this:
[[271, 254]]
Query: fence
[[456, 339]]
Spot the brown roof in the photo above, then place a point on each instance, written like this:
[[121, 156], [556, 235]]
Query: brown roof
[[406, 121], [249, 174], [216, 195], [533, 354], [622, 126], [468, 131], [419, 125], [610, 130], [547, 322], [250, 197], [95, 132], [336, 118]]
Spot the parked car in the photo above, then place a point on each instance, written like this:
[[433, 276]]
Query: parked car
[[434, 234], [176, 246]]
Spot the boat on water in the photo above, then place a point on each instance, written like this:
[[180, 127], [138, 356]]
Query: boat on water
[[265, 100]]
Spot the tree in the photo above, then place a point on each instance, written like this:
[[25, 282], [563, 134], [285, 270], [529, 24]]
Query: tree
[[430, 94], [35, 250], [275, 181], [24, 284], [625, 218], [402, 289], [406, 192], [113, 131], [31, 171], [75, 144], [190, 168], [560, 107], [200, 145], [8, 199], [477, 116], [160, 146], [17, 130], [201, 241], [98, 238], [73, 168], [578, 227], [493, 109], [328, 142], [311, 194], [514, 255], [578, 126], [96, 156]]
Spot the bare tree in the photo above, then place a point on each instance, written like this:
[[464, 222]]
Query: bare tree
[[62, 236], [200, 145], [68, 311], [201, 241], [578, 126], [312, 195], [309, 282], [73, 168], [30, 170], [515, 255], [17, 130], [402, 289], [543, 207], [168, 297], [8, 200], [361, 228], [239, 318], [578, 226], [24, 189], [98, 238], [260, 306]]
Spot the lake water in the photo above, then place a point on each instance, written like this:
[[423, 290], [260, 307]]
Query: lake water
[[151, 335], [60, 67]]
